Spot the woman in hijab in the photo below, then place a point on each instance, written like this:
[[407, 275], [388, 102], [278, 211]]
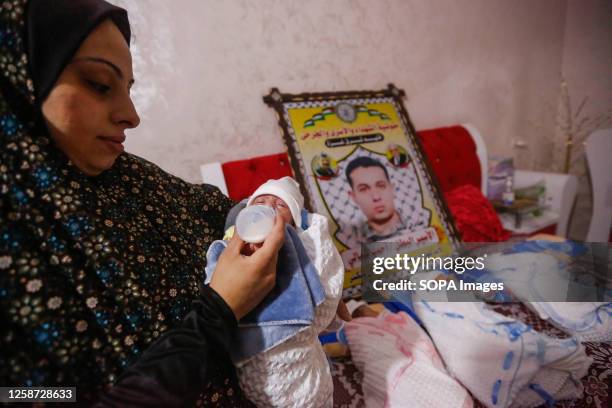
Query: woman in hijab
[[101, 252]]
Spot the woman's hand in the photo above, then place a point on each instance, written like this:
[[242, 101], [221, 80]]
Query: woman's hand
[[250, 249], [243, 281]]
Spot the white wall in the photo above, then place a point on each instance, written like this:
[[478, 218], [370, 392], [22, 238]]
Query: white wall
[[202, 67]]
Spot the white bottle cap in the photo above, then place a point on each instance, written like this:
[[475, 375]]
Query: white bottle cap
[[255, 222]]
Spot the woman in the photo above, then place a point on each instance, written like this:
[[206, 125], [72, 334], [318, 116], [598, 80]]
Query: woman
[[101, 252]]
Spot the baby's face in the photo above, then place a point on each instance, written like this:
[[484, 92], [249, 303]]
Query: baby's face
[[279, 205]]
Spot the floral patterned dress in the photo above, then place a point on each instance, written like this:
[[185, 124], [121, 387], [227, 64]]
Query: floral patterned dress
[[92, 269]]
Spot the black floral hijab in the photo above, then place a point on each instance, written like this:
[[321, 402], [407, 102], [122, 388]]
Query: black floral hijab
[[92, 269]]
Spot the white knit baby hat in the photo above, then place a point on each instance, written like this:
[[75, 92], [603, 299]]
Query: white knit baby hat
[[288, 190]]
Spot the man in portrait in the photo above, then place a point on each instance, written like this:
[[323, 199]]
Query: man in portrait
[[372, 191]]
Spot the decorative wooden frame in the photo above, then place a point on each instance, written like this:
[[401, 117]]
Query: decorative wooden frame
[[377, 107]]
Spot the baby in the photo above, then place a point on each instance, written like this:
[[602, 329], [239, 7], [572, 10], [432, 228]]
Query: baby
[[279, 359]]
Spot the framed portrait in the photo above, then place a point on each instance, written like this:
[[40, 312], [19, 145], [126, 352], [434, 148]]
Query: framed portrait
[[359, 162]]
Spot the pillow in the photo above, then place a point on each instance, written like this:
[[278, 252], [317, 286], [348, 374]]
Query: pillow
[[474, 215]]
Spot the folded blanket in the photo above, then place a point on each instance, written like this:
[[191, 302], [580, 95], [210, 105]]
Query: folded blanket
[[287, 309], [502, 361], [587, 321], [542, 275], [400, 364]]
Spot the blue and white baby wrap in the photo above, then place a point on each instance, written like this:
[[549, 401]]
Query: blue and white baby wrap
[[287, 309], [278, 356], [502, 361], [505, 362], [541, 274]]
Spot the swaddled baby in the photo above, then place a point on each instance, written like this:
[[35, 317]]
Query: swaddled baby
[[279, 359]]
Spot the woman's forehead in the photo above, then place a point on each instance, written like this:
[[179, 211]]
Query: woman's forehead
[[107, 42]]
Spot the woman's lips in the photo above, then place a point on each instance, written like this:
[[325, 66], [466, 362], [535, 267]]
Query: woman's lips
[[114, 142]]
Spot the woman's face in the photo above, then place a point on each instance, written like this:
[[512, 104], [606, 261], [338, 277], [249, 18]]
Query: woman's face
[[89, 107]]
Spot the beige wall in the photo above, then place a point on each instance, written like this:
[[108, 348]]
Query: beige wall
[[203, 66], [587, 53], [587, 68]]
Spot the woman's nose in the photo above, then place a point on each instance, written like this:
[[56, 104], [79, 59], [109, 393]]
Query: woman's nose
[[126, 114]]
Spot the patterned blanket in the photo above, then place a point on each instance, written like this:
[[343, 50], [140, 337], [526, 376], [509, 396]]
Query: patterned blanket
[[597, 383]]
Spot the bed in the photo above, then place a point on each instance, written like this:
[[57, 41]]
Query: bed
[[597, 383]]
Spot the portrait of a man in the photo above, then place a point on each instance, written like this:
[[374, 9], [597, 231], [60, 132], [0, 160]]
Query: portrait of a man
[[324, 166], [372, 191], [397, 155]]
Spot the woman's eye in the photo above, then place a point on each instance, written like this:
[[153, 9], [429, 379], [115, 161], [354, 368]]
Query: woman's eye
[[98, 87]]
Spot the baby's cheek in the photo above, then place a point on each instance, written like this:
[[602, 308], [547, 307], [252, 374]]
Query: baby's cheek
[[286, 215]]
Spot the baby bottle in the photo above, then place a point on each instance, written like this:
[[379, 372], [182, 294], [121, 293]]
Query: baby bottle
[[254, 223]]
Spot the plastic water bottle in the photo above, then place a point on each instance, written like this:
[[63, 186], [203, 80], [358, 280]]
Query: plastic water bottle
[[254, 223], [508, 195]]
